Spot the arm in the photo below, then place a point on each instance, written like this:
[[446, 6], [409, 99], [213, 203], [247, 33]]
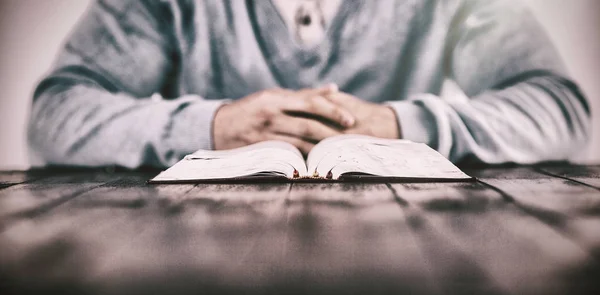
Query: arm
[[95, 109], [520, 106]]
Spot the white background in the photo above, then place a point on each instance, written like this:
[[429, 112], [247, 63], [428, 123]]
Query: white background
[[31, 32]]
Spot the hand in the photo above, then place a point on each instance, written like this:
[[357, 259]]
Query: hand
[[267, 115], [371, 119]]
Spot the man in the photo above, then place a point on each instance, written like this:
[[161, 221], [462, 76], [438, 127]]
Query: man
[[146, 82]]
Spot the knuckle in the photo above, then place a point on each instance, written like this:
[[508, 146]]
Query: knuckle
[[267, 113], [265, 123], [312, 104], [337, 113], [305, 129], [306, 99], [263, 114]]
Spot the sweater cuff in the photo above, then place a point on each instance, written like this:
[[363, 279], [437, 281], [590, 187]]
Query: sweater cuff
[[192, 127], [415, 122]]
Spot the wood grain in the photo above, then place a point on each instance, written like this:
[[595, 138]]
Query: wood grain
[[504, 245], [518, 231], [28, 199], [352, 238], [9, 178], [531, 188], [131, 236], [589, 175], [568, 206]]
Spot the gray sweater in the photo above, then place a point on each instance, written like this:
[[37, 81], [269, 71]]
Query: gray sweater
[[138, 82]]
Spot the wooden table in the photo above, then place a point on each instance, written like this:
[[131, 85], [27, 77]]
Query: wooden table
[[524, 230]]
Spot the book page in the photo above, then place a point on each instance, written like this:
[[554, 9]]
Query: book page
[[329, 146], [274, 158], [380, 157]]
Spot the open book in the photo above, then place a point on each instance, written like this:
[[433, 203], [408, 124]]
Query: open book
[[344, 157]]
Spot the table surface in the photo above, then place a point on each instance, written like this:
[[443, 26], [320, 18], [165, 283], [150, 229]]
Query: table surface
[[519, 230]]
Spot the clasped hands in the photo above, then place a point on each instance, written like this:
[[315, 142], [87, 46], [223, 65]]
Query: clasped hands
[[302, 118]]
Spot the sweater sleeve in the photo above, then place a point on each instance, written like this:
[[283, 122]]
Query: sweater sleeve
[[100, 103], [516, 103]]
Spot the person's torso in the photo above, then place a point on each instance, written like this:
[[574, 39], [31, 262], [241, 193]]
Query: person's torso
[[376, 50]]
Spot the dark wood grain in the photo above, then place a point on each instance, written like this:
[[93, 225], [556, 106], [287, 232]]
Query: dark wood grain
[[351, 238], [10, 178], [41, 194], [131, 236], [543, 191], [589, 175], [518, 231], [502, 245], [568, 206], [205, 232]]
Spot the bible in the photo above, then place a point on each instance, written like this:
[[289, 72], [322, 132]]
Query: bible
[[339, 158]]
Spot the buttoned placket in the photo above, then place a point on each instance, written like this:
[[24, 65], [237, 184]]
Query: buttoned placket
[[310, 25], [307, 19]]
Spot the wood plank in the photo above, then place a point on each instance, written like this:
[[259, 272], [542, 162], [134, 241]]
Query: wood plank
[[570, 207], [589, 175], [207, 231], [517, 252], [351, 238], [126, 236], [10, 178], [31, 198], [130, 236], [41, 251], [542, 191]]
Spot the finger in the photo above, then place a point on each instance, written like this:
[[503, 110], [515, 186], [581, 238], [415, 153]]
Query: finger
[[332, 88], [321, 90], [304, 128], [326, 89], [320, 106], [303, 145], [339, 98]]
